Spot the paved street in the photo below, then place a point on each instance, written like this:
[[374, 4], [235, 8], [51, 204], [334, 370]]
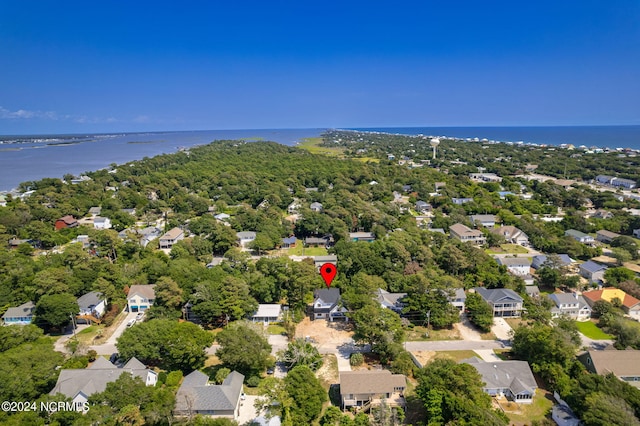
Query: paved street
[[109, 347], [454, 345]]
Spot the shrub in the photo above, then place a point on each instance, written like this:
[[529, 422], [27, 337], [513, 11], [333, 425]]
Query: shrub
[[253, 381], [356, 359], [173, 379]]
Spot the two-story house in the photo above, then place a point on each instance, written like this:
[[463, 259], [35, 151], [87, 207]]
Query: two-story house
[[391, 301], [512, 235], [170, 238], [503, 301], [327, 305], [484, 220], [141, 297], [366, 388], [467, 235], [519, 266], [566, 304], [579, 236]]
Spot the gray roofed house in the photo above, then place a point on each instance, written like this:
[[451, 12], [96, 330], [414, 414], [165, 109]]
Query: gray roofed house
[[422, 206], [512, 235], [141, 297], [458, 299], [362, 236], [316, 207], [605, 236], [592, 271], [79, 384], [326, 304], [92, 304], [321, 260], [196, 396], [516, 265], [20, 315], [532, 291], [267, 313], [558, 260], [390, 300], [579, 236], [370, 387], [245, 237], [504, 302], [566, 304], [95, 211], [512, 379], [486, 220], [318, 241], [460, 201]]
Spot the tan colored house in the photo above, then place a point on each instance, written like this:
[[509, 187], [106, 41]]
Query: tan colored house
[[625, 365], [170, 238], [141, 297], [466, 234], [365, 388]]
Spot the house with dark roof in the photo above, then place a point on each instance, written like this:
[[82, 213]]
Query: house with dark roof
[[80, 383], [625, 364], [327, 305], [366, 388], [197, 396], [289, 242], [629, 304], [423, 207], [592, 271], [20, 315], [467, 235], [571, 306], [66, 222], [512, 379], [92, 307], [325, 241], [318, 261], [141, 297], [504, 302], [553, 261]]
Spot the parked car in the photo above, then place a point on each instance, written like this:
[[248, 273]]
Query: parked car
[[131, 322]]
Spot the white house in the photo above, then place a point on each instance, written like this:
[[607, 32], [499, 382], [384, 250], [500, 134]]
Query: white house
[[101, 222], [516, 265], [327, 305], [244, 238], [267, 313], [579, 236], [141, 297], [566, 304], [170, 238], [92, 306], [316, 207]]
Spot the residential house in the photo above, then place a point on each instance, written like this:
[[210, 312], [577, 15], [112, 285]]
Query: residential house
[[149, 234], [267, 313], [294, 207], [602, 214], [503, 194], [407, 188], [485, 220], [532, 291], [222, 217], [92, 306], [624, 364], [81, 179], [503, 301], [264, 204], [512, 379], [362, 236], [141, 297], [316, 207], [244, 238], [3, 200], [423, 207], [636, 233], [615, 181], [592, 271], [325, 241], [460, 201], [485, 177], [553, 261], [79, 384], [391, 301], [84, 240], [512, 235], [605, 236], [365, 388], [132, 212], [95, 211], [66, 222], [289, 242], [567, 304], [20, 315], [170, 238], [327, 304], [516, 265], [579, 236], [467, 235], [629, 304], [321, 260], [458, 298], [100, 222]]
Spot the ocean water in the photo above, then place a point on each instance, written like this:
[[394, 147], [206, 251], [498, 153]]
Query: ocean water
[[599, 136], [26, 158]]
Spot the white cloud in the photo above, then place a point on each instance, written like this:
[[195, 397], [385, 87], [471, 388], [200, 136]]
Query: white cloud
[[26, 114]]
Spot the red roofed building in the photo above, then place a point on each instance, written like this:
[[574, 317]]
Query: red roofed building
[[630, 305], [66, 222]]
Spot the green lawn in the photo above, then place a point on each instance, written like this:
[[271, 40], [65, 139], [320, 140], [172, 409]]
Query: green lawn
[[592, 331], [508, 248], [313, 146], [457, 356], [276, 329], [538, 410], [299, 250]]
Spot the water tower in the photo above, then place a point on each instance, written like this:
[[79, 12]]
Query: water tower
[[434, 143]]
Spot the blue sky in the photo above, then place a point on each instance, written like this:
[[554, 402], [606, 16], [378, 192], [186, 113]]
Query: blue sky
[[73, 67]]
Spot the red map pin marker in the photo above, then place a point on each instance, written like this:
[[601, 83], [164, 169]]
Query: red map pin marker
[[328, 272]]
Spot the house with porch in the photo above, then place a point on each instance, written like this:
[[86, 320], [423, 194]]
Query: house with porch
[[503, 301], [196, 396], [605, 236], [170, 238], [467, 235], [366, 388], [92, 306], [267, 313], [327, 305], [519, 266], [571, 306], [19, 315], [141, 297], [512, 379], [391, 301]]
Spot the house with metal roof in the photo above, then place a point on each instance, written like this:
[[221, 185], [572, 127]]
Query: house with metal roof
[[197, 396], [504, 302], [592, 271], [581, 237], [512, 379], [605, 236], [267, 313]]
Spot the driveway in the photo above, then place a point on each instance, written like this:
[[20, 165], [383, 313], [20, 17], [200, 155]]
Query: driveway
[[247, 410], [467, 330], [109, 346], [595, 344], [453, 345], [501, 329]]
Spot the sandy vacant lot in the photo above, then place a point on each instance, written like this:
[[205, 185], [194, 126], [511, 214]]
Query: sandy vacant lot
[[325, 332]]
